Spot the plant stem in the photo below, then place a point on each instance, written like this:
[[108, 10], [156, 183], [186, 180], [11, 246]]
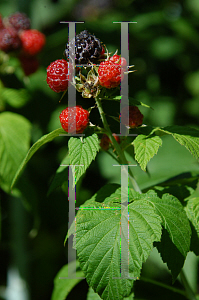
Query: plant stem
[[189, 292], [121, 156], [168, 287]]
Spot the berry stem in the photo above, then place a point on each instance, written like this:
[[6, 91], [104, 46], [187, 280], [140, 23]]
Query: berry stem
[[121, 157]]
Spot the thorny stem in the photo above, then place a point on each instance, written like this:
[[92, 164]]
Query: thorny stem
[[121, 157], [122, 160]]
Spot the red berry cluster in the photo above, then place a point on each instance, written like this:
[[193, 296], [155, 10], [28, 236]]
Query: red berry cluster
[[109, 74], [16, 34]]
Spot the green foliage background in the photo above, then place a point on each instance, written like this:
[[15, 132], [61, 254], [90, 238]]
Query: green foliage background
[[163, 46]]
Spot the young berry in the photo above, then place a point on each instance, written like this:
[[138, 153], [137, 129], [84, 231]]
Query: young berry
[[19, 21], [117, 59], [9, 39], [32, 41], [105, 141], [57, 75], [110, 74], [74, 119], [29, 64], [135, 116], [87, 48]]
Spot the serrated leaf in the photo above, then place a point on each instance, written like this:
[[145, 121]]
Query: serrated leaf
[[42, 141], [186, 136], [15, 140], [174, 220], [192, 210], [62, 287], [145, 148], [82, 153], [98, 242], [94, 296], [175, 245], [170, 254]]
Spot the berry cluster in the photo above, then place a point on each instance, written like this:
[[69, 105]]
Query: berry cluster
[[107, 72], [16, 34]]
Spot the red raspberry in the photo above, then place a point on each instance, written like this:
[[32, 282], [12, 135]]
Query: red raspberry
[[32, 41], [117, 59], [135, 116], [57, 75], [105, 141], [73, 118], [9, 39], [110, 74], [1, 22], [19, 21], [29, 64]]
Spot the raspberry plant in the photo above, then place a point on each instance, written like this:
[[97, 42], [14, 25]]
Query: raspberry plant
[[156, 216]]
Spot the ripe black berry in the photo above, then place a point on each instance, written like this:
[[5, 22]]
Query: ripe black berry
[[88, 48], [19, 21]]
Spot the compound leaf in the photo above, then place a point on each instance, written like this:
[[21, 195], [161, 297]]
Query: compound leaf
[[98, 241]]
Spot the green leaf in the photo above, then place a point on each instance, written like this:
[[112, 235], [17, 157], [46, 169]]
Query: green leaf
[[14, 97], [82, 153], [186, 136], [15, 140], [192, 210], [42, 141], [175, 245], [62, 287], [170, 254], [98, 241], [92, 295], [145, 148], [174, 220], [132, 101]]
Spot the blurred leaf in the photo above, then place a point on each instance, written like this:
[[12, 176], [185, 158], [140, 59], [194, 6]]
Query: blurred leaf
[[15, 140], [63, 285], [42, 141], [185, 30], [165, 47], [15, 98], [192, 83]]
